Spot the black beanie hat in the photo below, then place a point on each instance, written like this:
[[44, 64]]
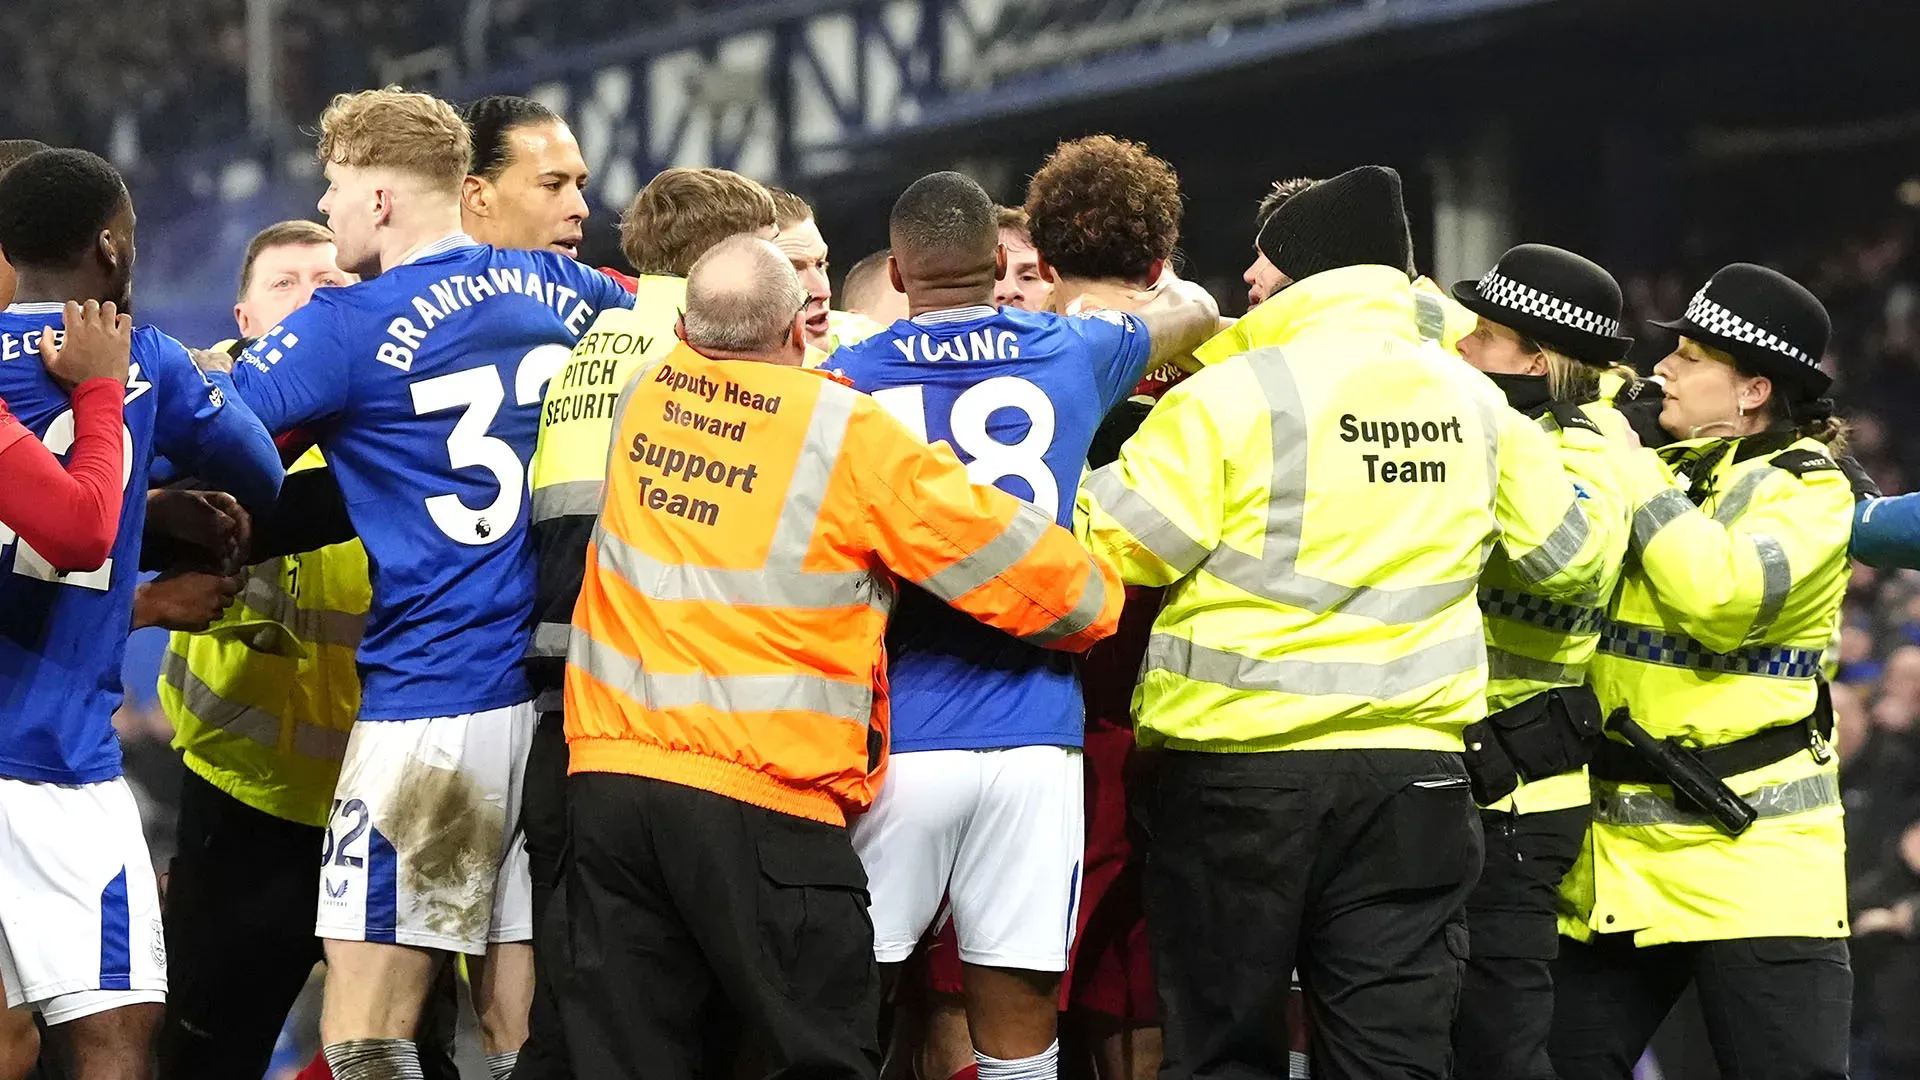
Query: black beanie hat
[[1354, 219]]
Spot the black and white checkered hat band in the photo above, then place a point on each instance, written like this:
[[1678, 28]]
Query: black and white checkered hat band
[[1710, 316], [1497, 288]]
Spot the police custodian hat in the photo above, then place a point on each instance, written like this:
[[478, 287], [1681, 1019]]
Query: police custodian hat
[[1769, 323], [1564, 301]]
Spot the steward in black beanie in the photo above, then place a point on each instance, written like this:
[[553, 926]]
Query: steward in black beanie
[[1354, 219]]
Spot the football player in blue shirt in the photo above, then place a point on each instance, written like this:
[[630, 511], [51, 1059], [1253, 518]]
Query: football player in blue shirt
[[80, 935], [983, 799], [423, 385]]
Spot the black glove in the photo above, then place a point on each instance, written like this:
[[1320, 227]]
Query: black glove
[[1863, 486], [1641, 403], [1117, 428]]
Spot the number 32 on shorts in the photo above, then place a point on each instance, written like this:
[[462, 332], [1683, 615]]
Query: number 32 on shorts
[[993, 460]]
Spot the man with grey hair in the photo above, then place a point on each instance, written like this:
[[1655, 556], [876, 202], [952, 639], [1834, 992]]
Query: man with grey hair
[[744, 302]]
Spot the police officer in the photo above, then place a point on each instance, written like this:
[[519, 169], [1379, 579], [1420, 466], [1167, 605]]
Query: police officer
[[1737, 567], [1549, 328], [1318, 513]]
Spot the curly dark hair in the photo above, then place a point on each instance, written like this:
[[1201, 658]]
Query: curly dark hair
[[1103, 207]]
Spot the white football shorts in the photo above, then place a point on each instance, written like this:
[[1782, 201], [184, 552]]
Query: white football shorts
[[425, 846], [80, 925], [1002, 833]]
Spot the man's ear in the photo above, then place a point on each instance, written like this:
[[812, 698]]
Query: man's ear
[[680, 326], [1047, 273], [240, 320], [999, 261], [107, 251], [476, 196], [893, 275], [1154, 271], [382, 206]]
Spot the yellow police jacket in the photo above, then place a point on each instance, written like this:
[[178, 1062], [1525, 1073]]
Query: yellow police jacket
[[1321, 510], [263, 700], [1534, 643], [1716, 634]]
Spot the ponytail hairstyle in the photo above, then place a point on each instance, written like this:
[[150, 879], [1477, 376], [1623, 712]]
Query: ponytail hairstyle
[[1807, 418], [1570, 381]]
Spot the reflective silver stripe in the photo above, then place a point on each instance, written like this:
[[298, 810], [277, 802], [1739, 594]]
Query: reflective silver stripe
[[550, 640], [1502, 664], [1166, 652], [1276, 575], [678, 582], [789, 692], [1658, 512], [1776, 580], [255, 725], [1092, 600], [995, 557], [1736, 500], [812, 472], [1430, 315], [1612, 806], [327, 744], [1559, 549], [574, 498], [317, 626], [1144, 522]]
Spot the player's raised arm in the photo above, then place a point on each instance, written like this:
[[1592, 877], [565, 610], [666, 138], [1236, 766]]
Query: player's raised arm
[[1180, 317], [296, 372], [204, 424]]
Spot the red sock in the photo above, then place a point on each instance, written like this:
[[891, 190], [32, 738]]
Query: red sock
[[316, 1070], [971, 1072]]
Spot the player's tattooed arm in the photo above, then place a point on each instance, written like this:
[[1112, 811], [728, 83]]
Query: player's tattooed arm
[[1180, 316]]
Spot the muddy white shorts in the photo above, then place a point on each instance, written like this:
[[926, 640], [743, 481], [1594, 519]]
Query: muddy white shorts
[[79, 910], [1000, 832], [425, 847]]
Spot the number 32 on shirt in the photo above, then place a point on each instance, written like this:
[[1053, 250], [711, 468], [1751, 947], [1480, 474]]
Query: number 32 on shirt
[[992, 460]]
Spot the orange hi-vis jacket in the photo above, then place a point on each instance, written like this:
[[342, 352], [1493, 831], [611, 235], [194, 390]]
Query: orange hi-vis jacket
[[729, 630]]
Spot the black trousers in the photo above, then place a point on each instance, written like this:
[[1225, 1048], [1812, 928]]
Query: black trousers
[[697, 924], [543, 815], [1506, 1000], [242, 893], [1776, 1008], [241, 897], [1353, 865]]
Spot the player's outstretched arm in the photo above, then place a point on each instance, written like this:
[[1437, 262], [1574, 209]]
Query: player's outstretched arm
[[1180, 318], [1000, 560]]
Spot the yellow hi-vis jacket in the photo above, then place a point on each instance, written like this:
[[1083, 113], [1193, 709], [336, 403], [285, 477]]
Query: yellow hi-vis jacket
[[263, 700], [1535, 644], [1436, 315], [570, 459], [1321, 512], [1716, 634]]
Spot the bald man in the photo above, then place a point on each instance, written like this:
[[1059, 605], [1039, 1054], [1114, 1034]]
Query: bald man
[[713, 886]]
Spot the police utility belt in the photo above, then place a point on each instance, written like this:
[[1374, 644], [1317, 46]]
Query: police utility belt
[[1698, 776], [1548, 734]]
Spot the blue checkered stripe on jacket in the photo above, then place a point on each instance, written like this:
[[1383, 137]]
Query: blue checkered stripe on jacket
[[1539, 611], [1678, 650]]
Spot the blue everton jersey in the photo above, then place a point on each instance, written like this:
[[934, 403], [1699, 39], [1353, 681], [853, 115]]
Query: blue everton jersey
[[423, 386], [1018, 395], [62, 635]]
